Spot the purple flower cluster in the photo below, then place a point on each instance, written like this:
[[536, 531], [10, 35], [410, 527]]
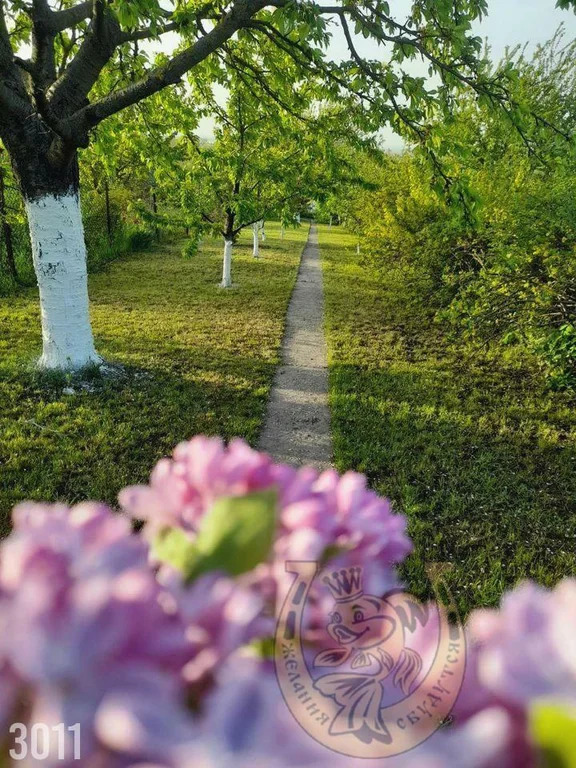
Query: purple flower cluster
[[92, 631], [519, 656], [318, 513], [162, 672], [84, 637]]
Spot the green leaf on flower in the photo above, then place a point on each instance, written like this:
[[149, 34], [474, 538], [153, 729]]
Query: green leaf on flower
[[553, 728], [175, 548], [235, 535]]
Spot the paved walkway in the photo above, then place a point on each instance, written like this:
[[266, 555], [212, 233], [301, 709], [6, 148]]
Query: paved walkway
[[297, 425]]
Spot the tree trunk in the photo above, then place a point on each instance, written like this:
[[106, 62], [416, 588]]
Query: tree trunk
[[7, 232], [227, 265], [357, 249], [59, 254], [48, 176], [262, 231], [282, 232], [255, 241]]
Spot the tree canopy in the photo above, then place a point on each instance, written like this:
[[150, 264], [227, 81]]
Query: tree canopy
[[55, 61]]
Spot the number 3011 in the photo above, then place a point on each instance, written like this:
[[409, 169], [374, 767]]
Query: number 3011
[[41, 741]]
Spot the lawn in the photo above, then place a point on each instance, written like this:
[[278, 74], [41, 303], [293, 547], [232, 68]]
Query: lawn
[[474, 449], [195, 359]]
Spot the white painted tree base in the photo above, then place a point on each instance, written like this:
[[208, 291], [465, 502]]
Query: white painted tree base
[[59, 255], [255, 242], [227, 265]]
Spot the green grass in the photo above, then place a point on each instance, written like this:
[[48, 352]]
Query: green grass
[[197, 359], [478, 454]]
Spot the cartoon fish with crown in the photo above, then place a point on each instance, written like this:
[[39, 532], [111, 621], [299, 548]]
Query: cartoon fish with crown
[[371, 633]]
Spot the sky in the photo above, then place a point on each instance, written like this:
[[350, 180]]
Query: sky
[[509, 23]]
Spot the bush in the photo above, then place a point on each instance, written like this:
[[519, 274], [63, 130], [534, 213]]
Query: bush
[[139, 239], [494, 259]]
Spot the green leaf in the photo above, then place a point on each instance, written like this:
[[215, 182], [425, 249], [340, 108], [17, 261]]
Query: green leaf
[[553, 728], [173, 546], [235, 536]]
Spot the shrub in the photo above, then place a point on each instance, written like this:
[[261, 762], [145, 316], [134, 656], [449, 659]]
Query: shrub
[[139, 239]]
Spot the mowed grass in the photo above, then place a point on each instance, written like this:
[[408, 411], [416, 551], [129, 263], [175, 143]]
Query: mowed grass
[[473, 449], [196, 359]]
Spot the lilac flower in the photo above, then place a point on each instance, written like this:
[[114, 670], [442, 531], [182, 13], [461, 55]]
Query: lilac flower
[[245, 723], [221, 615], [183, 489], [83, 633], [486, 740], [520, 654], [318, 514]]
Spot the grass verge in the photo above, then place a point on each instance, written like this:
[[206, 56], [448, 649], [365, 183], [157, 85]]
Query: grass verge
[[474, 449], [194, 359]]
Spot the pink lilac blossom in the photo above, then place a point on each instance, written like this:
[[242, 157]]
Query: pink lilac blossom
[[90, 632], [318, 513], [246, 724], [221, 614], [520, 654], [84, 638]]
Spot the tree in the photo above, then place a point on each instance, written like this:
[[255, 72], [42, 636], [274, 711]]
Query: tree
[[261, 162], [52, 101]]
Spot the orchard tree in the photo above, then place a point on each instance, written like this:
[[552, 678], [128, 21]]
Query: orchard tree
[[260, 160], [56, 56]]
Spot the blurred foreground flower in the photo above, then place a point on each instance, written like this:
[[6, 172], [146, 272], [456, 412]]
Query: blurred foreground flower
[[155, 642]]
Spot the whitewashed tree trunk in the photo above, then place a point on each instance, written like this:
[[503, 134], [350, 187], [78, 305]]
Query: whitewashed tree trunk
[[255, 241], [358, 249], [227, 265], [59, 254], [282, 232], [262, 231]]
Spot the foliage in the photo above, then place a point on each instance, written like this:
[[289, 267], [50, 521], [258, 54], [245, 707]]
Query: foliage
[[191, 245], [495, 255], [87, 63], [264, 161], [191, 359], [471, 447]]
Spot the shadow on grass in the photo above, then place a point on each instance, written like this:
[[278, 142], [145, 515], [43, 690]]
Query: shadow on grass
[[472, 447], [109, 432], [490, 494], [194, 360]]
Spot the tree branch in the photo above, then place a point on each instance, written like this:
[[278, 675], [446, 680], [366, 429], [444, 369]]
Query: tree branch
[[71, 90], [71, 17], [147, 34], [167, 74]]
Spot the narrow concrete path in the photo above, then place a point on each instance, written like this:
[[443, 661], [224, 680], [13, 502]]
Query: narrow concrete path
[[297, 426]]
